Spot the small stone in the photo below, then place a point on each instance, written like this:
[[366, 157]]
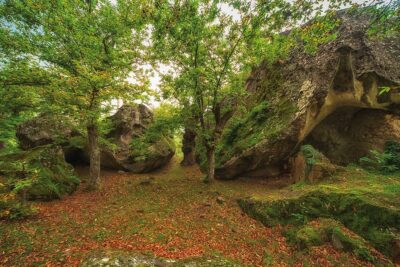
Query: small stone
[[121, 172]]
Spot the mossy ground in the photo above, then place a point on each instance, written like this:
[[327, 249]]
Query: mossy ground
[[366, 203], [169, 213]]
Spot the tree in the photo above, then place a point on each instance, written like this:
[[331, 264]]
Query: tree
[[84, 49], [212, 45]]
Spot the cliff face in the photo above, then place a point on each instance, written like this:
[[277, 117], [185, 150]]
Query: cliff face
[[332, 99]]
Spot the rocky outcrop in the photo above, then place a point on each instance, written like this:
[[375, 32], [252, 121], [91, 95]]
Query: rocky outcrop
[[128, 146], [330, 99], [135, 150], [43, 130]]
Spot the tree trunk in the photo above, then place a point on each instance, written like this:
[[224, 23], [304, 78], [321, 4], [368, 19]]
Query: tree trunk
[[188, 147], [211, 165], [94, 154]]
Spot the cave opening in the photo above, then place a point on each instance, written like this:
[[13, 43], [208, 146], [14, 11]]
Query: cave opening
[[350, 133]]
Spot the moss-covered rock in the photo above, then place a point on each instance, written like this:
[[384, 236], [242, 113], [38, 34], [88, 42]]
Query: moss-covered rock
[[39, 174], [140, 142], [320, 231], [310, 165], [291, 97], [11, 205], [376, 223], [306, 236]]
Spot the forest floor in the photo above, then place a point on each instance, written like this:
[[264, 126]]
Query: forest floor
[[169, 213]]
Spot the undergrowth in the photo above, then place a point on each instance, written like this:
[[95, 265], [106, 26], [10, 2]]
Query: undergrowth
[[386, 162]]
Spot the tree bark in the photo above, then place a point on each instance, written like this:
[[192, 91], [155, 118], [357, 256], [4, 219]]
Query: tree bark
[[94, 155], [188, 147], [211, 165]]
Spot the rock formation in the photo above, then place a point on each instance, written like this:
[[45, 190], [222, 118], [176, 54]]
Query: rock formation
[[333, 100], [129, 126], [43, 130]]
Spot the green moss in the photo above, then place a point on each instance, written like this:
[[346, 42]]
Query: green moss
[[305, 237], [356, 245], [40, 173], [370, 220], [143, 149], [386, 162], [321, 231], [263, 122]]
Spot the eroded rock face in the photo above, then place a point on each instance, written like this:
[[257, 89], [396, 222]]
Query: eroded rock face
[[335, 92], [130, 124], [351, 133]]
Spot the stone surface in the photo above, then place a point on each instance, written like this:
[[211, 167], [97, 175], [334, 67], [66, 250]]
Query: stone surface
[[336, 242], [130, 123], [43, 130], [132, 259], [331, 99], [320, 169]]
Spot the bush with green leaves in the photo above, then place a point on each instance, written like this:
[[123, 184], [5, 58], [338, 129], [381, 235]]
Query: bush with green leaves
[[40, 173], [12, 206], [386, 162]]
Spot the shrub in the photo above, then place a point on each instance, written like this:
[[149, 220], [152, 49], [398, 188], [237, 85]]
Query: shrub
[[387, 161], [11, 206], [40, 173]]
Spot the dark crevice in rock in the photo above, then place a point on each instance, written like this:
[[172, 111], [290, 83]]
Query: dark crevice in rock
[[344, 78], [350, 133]]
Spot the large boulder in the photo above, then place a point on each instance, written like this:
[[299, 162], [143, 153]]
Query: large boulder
[[43, 130], [128, 145], [336, 99], [135, 146]]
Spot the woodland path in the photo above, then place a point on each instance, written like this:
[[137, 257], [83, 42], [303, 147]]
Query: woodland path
[[170, 213]]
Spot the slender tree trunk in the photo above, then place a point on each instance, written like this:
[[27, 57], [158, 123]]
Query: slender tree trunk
[[210, 165], [94, 154], [188, 147]]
